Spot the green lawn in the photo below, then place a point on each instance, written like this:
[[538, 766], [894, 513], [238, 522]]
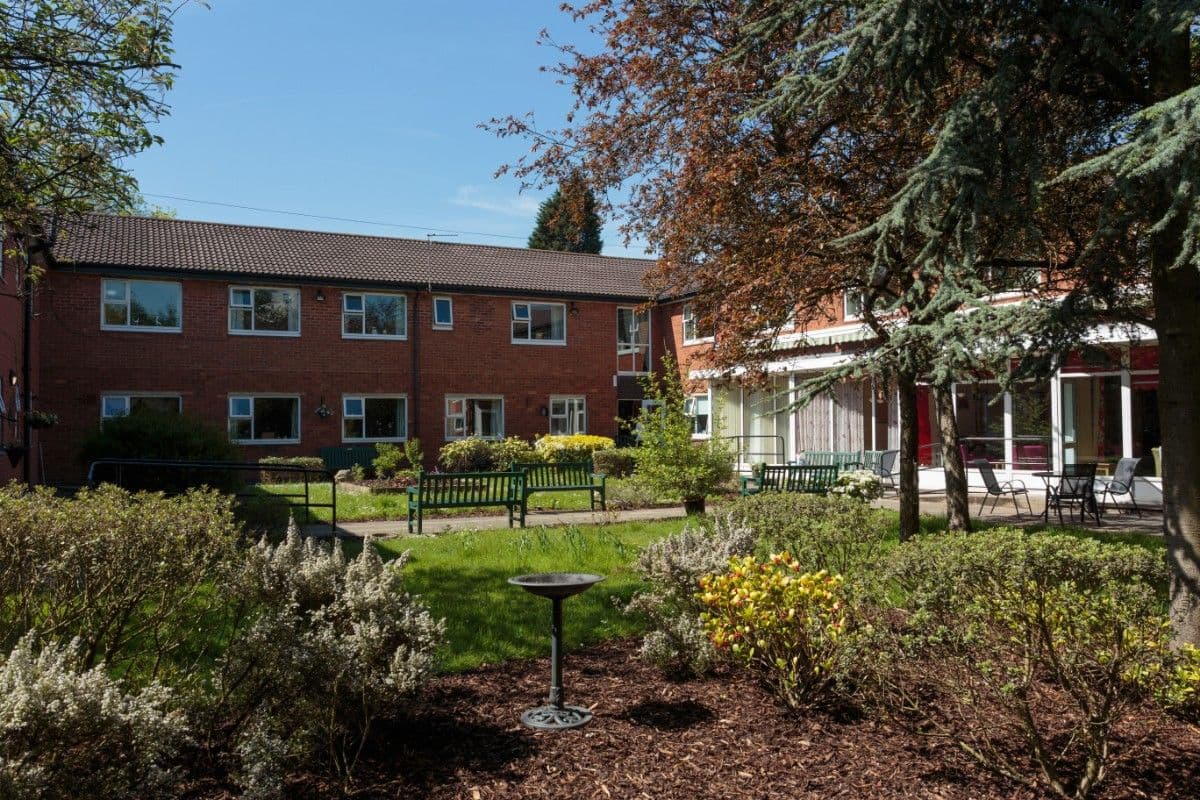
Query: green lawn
[[463, 578], [366, 507]]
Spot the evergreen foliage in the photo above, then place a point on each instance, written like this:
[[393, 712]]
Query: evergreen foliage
[[568, 221]]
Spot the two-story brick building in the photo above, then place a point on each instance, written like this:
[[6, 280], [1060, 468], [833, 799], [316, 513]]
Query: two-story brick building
[[297, 340]]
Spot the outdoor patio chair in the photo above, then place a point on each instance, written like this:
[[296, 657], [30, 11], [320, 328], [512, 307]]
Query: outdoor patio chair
[[996, 489], [1077, 485], [1121, 483], [886, 469]]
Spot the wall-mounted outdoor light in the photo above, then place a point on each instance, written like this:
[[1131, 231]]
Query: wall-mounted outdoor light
[[574, 309], [545, 412], [320, 295], [324, 411]]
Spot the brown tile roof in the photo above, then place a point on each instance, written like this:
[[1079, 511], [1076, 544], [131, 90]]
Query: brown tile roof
[[99, 241]]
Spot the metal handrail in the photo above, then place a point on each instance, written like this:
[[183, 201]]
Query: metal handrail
[[778, 454], [232, 466]]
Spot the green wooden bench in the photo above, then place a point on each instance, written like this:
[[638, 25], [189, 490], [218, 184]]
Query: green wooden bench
[[338, 458], [466, 490], [805, 478], [842, 459], [566, 477]]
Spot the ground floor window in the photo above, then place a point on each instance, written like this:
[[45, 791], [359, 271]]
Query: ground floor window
[[698, 407], [474, 416], [374, 419], [259, 419], [980, 414], [568, 415], [119, 405]]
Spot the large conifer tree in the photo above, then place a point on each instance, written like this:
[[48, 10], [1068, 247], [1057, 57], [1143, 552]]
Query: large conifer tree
[[568, 220]]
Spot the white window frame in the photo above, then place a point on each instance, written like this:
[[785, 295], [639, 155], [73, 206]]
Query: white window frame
[[465, 398], [252, 397], [128, 398], [106, 326], [442, 326], [634, 345], [689, 318], [364, 398], [229, 307], [862, 305], [528, 321], [575, 418], [689, 409], [395, 337]]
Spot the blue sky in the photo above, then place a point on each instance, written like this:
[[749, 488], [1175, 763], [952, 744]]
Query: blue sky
[[360, 109]]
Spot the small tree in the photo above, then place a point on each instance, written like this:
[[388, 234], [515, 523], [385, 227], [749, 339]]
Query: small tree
[[669, 460], [568, 220]]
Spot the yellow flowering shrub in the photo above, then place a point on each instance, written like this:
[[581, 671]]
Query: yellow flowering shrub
[[576, 447], [786, 625]]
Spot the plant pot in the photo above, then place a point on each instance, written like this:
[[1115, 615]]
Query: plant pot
[[693, 506]]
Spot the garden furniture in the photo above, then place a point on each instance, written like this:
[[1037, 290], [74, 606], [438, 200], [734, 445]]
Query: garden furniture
[[1076, 485], [1121, 483], [563, 477], [995, 489], [887, 468], [805, 478], [466, 490]]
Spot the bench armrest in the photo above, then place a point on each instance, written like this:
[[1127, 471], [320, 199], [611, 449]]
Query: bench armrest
[[600, 476]]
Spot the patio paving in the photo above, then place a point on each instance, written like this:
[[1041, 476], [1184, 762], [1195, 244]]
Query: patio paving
[[1112, 521]]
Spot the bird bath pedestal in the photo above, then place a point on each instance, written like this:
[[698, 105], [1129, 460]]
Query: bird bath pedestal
[[557, 586]]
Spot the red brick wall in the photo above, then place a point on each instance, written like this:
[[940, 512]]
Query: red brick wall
[[11, 346], [205, 364]]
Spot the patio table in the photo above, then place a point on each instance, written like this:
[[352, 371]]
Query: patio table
[[1053, 479]]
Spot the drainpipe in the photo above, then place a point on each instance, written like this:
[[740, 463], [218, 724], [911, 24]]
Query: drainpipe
[[414, 376]]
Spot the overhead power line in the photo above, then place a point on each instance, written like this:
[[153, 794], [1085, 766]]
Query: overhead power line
[[333, 219]]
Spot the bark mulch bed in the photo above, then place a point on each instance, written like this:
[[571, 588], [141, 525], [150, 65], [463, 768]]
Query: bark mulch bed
[[723, 737]]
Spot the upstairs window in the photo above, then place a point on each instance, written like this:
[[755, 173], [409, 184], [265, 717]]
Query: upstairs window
[[691, 327], [141, 305], [374, 316], [443, 313], [264, 310], [539, 323], [568, 415], [853, 304], [633, 340]]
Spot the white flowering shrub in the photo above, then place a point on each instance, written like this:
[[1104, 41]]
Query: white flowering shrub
[[129, 574], [335, 645], [860, 484], [67, 731], [676, 641]]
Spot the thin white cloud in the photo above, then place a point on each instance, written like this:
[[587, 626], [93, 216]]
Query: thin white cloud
[[474, 197]]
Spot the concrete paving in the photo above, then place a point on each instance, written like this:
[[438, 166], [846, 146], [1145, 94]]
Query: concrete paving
[[436, 525], [1113, 520]]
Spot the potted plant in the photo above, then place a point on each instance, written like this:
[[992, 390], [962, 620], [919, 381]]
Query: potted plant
[[42, 419], [670, 461]]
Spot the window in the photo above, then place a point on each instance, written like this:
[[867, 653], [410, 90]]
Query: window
[[697, 407], [539, 323], [375, 316], [852, 305], [374, 419], [443, 312], [568, 415], [691, 327], [633, 340], [1020, 278], [474, 416], [264, 419], [119, 405], [141, 305], [266, 311]]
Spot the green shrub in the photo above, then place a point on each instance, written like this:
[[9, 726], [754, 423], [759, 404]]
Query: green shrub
[[1179, 690], [838, 534], [625, 493], [69, 731], [472, 454], [672, 569], [785, 625], [334, 646], [389, 459], [272, 476], [616, 463], [576, 447], [997, 617], [131, 575], [159, 435], [859, 484], [414, 453], [514, 449]]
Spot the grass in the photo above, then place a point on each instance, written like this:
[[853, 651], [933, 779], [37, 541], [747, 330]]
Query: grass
[[463, 577]]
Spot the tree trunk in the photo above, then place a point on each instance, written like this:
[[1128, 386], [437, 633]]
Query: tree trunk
[[1175, 294], [958, 511], [910, 502]]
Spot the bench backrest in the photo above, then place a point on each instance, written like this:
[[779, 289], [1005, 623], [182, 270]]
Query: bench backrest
[[802, 478], [336, 458], [832, 458], [469, 488], [569, 473]]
